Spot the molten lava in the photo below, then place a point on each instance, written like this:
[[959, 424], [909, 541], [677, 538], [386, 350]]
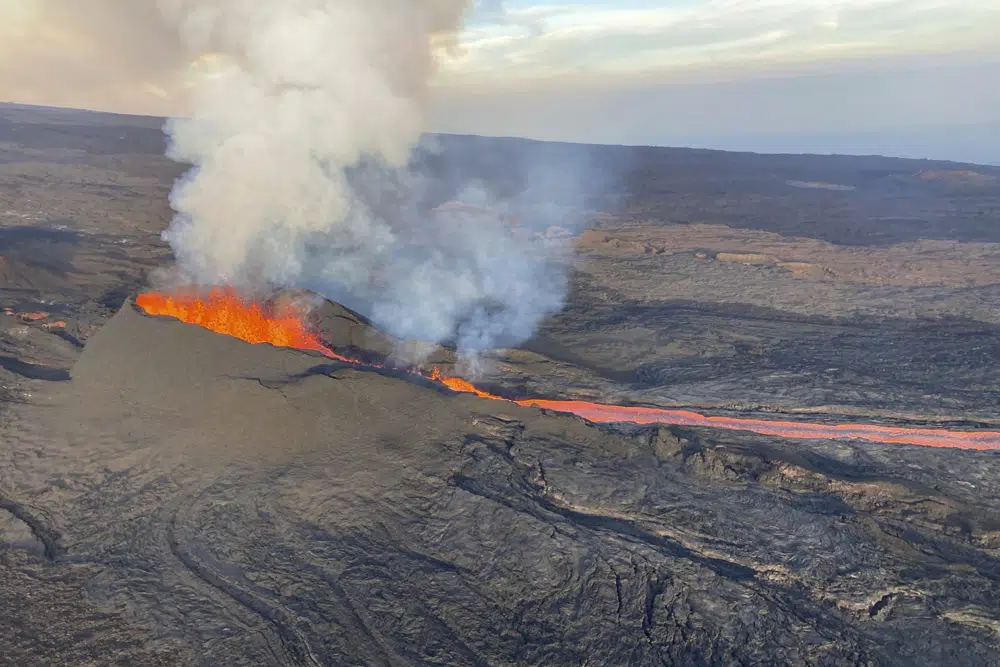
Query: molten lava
[[463, 386], [225, 312]]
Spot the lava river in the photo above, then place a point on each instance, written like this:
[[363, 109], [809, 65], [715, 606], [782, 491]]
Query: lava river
[[222, 310]]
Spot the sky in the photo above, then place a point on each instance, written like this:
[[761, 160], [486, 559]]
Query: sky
[[917, 78]]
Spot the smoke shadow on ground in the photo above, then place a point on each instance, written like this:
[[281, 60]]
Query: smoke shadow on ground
[[33, 371]]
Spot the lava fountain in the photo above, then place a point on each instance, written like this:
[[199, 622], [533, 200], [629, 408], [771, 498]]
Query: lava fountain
[[223, 311]]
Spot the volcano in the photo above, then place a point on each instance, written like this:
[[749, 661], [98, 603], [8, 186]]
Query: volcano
[[285, 323], [182, 497], [273, 505]]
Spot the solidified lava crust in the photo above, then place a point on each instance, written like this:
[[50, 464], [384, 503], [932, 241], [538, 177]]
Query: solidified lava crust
[[170, 496]]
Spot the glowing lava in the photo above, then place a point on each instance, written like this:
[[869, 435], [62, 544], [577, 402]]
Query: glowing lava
[[225, 312], [928, 437], [464, 386]]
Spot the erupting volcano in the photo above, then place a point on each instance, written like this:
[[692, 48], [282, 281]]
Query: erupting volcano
[[285, 324]]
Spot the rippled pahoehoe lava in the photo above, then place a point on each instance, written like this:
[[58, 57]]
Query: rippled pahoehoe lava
[[223, 311]]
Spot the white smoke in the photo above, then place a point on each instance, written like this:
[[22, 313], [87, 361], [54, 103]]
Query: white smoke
[[300, 91], [301, 135]]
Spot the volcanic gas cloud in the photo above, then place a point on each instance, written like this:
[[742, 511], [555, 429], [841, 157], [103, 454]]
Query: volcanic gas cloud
[[303, 124], [302, 132], [223, 311]]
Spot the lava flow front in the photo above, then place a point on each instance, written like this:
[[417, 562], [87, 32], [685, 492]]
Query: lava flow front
[[223, 311]]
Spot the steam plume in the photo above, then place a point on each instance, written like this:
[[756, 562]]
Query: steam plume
[[301, 121], [301, 139], [299, 91]]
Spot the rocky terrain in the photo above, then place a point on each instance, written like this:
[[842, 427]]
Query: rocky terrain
[[170, 496]]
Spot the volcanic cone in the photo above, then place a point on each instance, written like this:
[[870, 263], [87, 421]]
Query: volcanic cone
[[267, 505]]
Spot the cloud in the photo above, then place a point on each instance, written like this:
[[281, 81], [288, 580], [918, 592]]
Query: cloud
[[591, 39], [70, 53]]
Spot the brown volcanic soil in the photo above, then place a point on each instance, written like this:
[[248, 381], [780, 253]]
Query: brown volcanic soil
[[170, 496]]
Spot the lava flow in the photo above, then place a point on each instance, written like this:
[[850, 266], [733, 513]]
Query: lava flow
[[224, 311]]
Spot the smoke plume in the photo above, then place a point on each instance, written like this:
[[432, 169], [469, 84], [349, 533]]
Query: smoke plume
[[303, 126], [303, 138], [298, 92]]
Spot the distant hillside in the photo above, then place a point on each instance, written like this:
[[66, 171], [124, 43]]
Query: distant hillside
[[858, 200], [975, 143]]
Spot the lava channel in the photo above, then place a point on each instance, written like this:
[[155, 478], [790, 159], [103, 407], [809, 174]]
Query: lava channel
[[223, 311]]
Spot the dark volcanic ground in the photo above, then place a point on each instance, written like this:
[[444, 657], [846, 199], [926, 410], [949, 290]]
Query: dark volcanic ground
[[171, 496]]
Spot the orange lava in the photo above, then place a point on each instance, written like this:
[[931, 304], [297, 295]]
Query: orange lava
[[928, 437], [223, 311], [463, 386]]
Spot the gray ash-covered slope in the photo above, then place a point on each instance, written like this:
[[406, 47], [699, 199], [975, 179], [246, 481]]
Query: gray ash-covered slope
[[249, 505]]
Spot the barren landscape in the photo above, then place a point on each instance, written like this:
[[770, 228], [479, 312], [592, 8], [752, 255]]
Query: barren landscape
[[173, 496]]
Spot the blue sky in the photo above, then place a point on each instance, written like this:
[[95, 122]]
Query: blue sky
[[908, 77]]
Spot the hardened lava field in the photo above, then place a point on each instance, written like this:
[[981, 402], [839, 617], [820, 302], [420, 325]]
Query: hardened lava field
[[172, 496]]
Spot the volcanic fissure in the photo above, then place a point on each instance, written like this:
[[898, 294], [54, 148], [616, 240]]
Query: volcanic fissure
[[285, 324]]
